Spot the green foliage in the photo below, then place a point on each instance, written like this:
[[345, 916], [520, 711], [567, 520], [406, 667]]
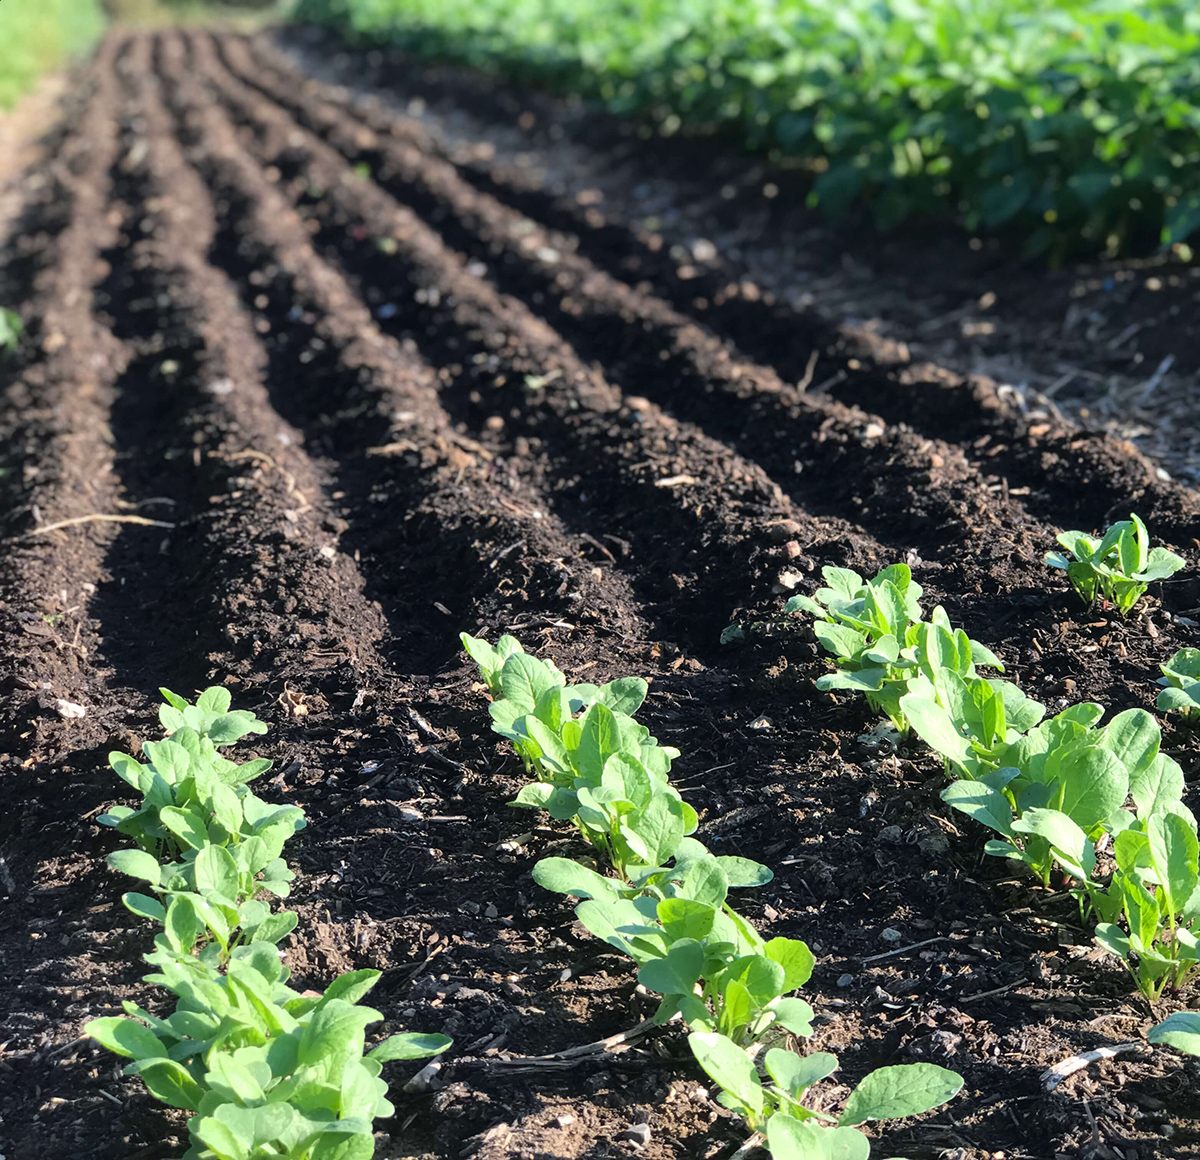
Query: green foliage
[[1118, 567], [883, 648], [11, 329], [267, 1071], [667, 907], [1181, 1031], [40, 36], [1181, 681], [1072, 123]]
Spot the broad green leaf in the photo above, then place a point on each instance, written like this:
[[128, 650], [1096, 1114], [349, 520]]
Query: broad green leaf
[[704, 880], [144, 906], [523, 679], [683, 918], [793, 1073], [1173, 849], [1157, 786], [409, 1045], [729, 1066], [977, 800], [660, 827], [742, 872], [232, 1080], [792, 1139], [1063, 835], [795, 958], [170, 1082], [125, 1037], [352, 987], [1134, 737], [137, 864], [1180, 1030], [761, 976], [186, 826], [904, 1090], [565, 876], [736, 1008], [216, 870], [795, 1015], [625, 695], [676, 974], [1094, 784]]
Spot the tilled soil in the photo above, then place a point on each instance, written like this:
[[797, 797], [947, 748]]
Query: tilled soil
[[360, 400]]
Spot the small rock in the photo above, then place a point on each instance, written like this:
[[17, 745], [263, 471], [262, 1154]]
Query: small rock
[[788, 579], [761, 724], [69, 710], [703, 250], [791, 549], [845, 980], [933, 843], [890, 934], [783, 530], [490, 911], [893, 835], [636, 1134], [408, 814], [564, 1121]]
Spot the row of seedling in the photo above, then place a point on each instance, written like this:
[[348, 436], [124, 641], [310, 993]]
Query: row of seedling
[[266, 1071], [1054, 791], [661, 898]]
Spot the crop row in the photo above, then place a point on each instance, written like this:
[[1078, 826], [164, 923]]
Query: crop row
[[266, 1070], [1056, 791], [1071, 122], [272, 1072]]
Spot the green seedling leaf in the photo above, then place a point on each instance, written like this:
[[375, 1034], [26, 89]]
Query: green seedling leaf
[[523, 679], [683, 918], [1157, 787], [728, 1066], [905, 1090], [1173, 851], [794, 957], [186, 826], [791, 1139], [793, 1073], [137, 864], [1180, 1030], [217, 871], [1075, 852], [794, 1015], [144, 906], [564, 876], [979, 801], [170, 1082], [677, 972], [409, 1045], [742, 872], [125, 1037]]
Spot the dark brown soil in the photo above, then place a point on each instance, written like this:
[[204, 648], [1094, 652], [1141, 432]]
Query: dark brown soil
[[370, 400]]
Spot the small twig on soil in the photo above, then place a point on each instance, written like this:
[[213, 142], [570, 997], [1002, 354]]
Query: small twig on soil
[[911, 947], [806, 382], [574, 1055], [100, 517], [994, 991], [1053, 1076]]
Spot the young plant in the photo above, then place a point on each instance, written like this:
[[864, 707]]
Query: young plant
[[879, 642], [1119, 567], [1181, 681], [774, 1105], [267, 1071]]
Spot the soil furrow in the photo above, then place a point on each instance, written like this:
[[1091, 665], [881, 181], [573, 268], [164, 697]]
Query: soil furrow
[[373, 407], [647, 345], [1093, 478], [57, 452], [507, 372]]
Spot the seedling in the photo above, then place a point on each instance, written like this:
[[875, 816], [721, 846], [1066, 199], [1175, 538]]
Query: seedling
[[1181, 678], [796, 1132], [1118, 567], [880, 644], [1181, 1031]]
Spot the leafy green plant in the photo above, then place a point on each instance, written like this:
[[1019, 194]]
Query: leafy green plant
[[1069, 124], [1181, 678], [1119, 567], [269, 1072], [880, 643], [795, 1132]]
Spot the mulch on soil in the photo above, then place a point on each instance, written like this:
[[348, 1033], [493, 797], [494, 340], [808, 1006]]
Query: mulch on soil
[[373, 396]]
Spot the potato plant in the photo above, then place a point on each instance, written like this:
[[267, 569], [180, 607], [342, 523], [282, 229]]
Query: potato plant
[[667, 904], [1118, 567], [267, 1072]]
